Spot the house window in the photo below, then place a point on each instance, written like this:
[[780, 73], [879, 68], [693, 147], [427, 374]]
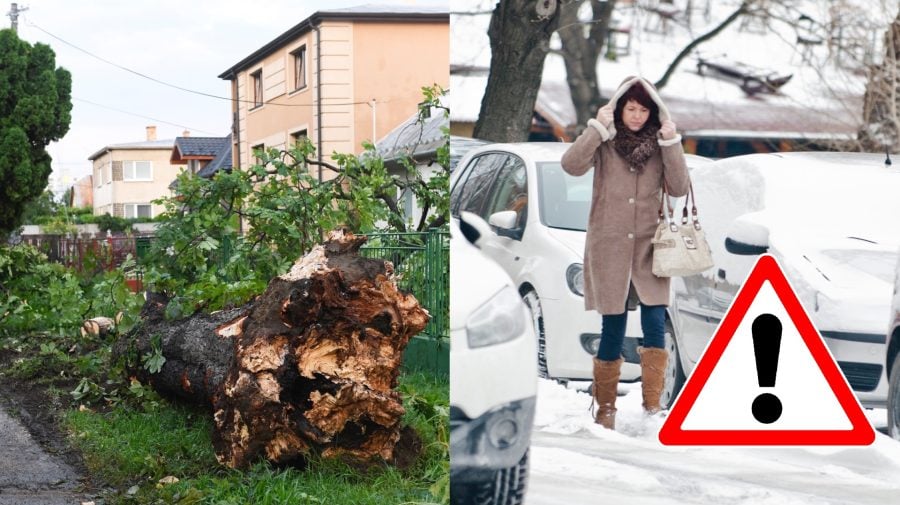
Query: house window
[[258, 151], [257, 88], [194, 166], [137, 170], [100, 177], [298, 136], [299, 68], [109, 176], [133, 210]]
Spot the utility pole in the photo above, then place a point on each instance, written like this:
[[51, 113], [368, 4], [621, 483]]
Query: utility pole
[[373, 104], [14, 16]]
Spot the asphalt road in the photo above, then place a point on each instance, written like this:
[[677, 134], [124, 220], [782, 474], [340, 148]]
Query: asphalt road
[[30, 476]]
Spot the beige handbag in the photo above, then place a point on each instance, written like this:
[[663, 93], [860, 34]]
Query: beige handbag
[[680, 250]]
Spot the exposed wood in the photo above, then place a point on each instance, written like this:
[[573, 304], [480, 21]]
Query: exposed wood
[[99, 326], [310, 366]]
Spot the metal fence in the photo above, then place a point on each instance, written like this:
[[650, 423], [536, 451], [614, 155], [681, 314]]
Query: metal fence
[[94, 255], [82, 254], [422, 264], [421, 261]]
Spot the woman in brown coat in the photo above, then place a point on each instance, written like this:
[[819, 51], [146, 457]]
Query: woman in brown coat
[[633, 147]]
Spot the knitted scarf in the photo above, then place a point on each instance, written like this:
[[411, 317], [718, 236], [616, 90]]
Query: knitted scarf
[[636, 147]]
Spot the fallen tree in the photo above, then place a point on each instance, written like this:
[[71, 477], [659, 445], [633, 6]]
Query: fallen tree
[[307, 367]]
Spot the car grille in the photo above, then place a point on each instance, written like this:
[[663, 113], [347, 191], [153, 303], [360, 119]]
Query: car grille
[[861, 376]]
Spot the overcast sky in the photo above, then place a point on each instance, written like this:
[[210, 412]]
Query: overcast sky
[[185, 43]]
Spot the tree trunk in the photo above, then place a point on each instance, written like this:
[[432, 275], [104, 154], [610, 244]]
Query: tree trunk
[[881, 103], [308, 367], [580, 52], [520, 40]]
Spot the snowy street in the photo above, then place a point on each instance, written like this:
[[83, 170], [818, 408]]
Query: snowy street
[[574, 461]]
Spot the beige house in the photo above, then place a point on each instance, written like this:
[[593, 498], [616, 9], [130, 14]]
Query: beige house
[[82, 193], [128, 177], [339, 77]]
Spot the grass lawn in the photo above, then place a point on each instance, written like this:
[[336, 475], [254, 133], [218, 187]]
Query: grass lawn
[[133, 450]]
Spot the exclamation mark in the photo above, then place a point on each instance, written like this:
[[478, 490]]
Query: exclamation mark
[[766, 346]]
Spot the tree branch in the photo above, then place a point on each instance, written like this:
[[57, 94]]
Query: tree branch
[[699, 40]]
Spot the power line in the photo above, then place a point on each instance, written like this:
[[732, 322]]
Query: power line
[[180, 88], [141, 115]]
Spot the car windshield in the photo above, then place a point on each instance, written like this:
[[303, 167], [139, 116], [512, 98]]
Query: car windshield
[[879, 264], [564, 200]]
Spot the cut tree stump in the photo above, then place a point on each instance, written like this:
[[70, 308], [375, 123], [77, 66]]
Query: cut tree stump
[[308, 367], [100, 326]]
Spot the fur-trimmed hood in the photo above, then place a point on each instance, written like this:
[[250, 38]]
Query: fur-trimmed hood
[[651, 90], [608, 133]]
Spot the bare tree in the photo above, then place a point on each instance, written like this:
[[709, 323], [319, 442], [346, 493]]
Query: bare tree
[[520, 33], [881, 119], [581, 49]]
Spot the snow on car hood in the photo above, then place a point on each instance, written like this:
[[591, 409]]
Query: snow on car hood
[[845, 283]]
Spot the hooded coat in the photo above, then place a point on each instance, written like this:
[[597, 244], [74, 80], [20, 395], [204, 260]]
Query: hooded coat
[[624, 213]]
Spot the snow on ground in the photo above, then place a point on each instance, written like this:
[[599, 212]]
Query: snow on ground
[[574, 461]]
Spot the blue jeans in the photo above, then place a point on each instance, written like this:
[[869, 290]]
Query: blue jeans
[[612, 335]]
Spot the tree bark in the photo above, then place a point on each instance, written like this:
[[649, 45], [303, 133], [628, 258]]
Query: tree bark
[[580, 53], [308, 367], [881, 102], [520, 41]]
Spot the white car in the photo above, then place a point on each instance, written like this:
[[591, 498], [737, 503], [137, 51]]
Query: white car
[[540, 214], [830, 219], [892, 361], [493, 376]]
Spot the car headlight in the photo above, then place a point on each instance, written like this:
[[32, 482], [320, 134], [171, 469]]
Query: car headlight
[[575, 278], [499, 320]]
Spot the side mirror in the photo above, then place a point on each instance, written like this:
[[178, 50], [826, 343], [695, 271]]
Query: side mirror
[[747, 235], [475, 229], [735, 247], [505, 223]]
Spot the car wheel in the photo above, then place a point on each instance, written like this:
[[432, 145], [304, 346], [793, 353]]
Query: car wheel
[[537, 319], [893, 406], [505, 487], [674, 373]]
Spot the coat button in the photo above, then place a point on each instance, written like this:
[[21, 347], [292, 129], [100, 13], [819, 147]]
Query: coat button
[[631, 200], [631, 235]]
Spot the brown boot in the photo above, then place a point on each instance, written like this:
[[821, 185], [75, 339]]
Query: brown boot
[[653, 376], [606, 382]]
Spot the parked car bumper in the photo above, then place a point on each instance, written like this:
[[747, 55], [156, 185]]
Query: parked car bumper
[[572, 335], [861, 359], [492, 441]]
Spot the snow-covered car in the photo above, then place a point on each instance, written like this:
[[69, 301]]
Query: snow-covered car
[[830, 219], [493, 375], [892, 362], [540, 215]]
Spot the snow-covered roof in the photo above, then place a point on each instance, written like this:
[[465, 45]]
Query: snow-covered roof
[[822, 99]]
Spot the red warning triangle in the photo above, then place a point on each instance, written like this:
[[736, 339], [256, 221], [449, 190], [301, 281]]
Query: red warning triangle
[[717, 405]]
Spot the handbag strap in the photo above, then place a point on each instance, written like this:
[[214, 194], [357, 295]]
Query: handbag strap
[[669, 216], [695, 219], [690, 200]]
